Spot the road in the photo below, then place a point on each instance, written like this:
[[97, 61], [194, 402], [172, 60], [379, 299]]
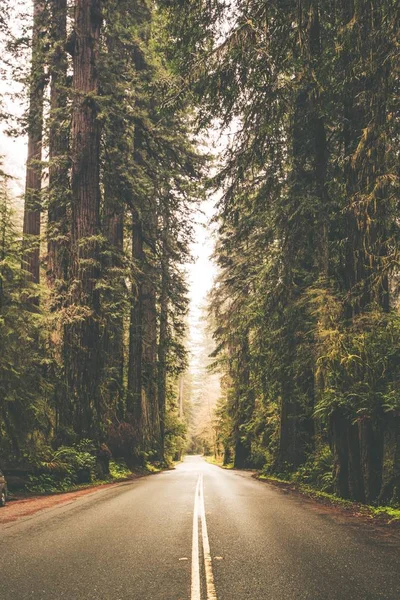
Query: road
[[197, 532]]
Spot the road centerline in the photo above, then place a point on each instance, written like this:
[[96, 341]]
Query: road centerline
[[200, 513], [195, 587], [211, 593]]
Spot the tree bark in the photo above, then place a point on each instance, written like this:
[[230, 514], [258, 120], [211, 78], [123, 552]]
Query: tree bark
[[83, 335], [134, 394], [244, 404], [57, 234], [163, 335], [338, 426], [356, 480], [33, 182]]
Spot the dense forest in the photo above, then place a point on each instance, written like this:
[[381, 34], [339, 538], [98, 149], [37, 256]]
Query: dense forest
[[305, 306], [93, 297]]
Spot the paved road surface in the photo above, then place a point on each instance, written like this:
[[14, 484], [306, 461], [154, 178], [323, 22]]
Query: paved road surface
[[195, 533]]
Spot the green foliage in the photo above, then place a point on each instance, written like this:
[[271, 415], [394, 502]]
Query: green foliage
[[119, 470], [317, 470], [305, 304], [23, 389], [66, 467], [175, 438]]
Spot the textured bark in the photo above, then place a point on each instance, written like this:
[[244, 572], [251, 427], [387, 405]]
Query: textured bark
[[356, 480], [372, 445], [33, 182], [57, 234], [113, 228], [134, 395], [149, 331], [163, 338], [244, 408], [317, 122], [142, 371], [390, 491], [340, 452], [83, 336]]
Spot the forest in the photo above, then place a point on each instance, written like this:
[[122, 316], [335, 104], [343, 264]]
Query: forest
[[119, 97]]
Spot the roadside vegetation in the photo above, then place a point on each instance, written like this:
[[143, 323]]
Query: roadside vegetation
[[93, 291], [305, 308], [93, 297]]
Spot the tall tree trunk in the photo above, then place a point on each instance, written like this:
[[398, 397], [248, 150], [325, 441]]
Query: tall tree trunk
[[372, 446], [163, 336], [338, 426], [317, 123], [33, 183], [83, 335], [142, 382], [57, 234], [356, 480], [244, 404], [149, 332], [134, 393], [113, 228], [58, 191]]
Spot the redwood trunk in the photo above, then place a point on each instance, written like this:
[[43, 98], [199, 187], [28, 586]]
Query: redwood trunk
[[83, 336], [163, 338], [33, 183], [57, 248], [340, 452]]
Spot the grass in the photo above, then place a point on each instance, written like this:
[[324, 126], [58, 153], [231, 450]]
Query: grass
[[217, 461], [391, 515], [118, 472]]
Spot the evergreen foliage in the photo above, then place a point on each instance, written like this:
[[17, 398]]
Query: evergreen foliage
[[305, 306], [306, 301], [115, 141]]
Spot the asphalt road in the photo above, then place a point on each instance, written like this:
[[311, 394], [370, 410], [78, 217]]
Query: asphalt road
[[152, 539]]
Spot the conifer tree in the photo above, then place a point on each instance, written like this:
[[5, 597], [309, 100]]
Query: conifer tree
[[33, 183]]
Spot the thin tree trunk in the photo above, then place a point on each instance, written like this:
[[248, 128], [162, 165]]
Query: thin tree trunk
[[163, 336], [244, 405], [134, 395], [113, 227], [149, 340], [320, 144], [33, 183], [58, 190], [57, 234]]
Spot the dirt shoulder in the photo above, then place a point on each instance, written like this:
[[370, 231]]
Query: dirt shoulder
[[24, 506], [382, 517]]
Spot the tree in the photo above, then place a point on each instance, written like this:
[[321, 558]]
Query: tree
[[83, 366], [33, 183]]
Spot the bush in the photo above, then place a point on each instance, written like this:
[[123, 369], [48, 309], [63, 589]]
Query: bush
[[68, 466], [317, 471], [118, 469], [175, 437]]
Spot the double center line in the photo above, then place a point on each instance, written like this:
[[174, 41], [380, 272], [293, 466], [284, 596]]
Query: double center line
[[199, 514]]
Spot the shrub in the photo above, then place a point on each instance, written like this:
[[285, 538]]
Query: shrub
[[66, 467]]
